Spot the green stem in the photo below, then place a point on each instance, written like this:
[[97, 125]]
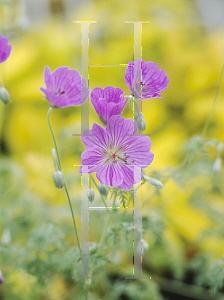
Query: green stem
[[59, 165], [207, 123], [129, 200], [106, 226], [90, 179], [136, 108], [87, 292], [104, 202], [104, 233], [52, 134]]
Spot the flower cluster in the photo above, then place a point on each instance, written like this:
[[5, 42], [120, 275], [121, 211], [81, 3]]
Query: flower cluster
[[116, 153]]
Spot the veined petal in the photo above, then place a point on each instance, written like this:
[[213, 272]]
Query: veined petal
[[99, 137], [145, 79], [48, 79], [64, 87], [105, 100], [110, 174], [138, 148], [93, 156], [128, 180], [117, 108], [119, 128], [112, 94]]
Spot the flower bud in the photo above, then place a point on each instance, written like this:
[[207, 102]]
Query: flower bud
[[145, 246], [140, 121], [220, 148], [154, 182], [59, 179], [103, 189], [91, 194], [217, 166], [6, 237], [1, 277], [4, 95]]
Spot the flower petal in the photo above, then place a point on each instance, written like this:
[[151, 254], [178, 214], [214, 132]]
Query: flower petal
[[145, 79], [5, 49], [100, 137], [128, 181], [119, 128], [64, 87], [110, 174]]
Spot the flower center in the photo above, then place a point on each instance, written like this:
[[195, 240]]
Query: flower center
[[59, 92], [116, 155], [140, 86]]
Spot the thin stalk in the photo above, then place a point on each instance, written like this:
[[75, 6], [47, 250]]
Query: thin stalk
[[129, 200], [52, 134], [59, 165], [104, 233], [106, 225], [87, 292], [135, 106], [104, 202]]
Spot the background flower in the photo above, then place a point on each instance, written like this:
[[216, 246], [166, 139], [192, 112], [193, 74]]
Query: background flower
[[63, 87], [1, 277], [108, 102], [5, 49], [113, 152], [145, 79]]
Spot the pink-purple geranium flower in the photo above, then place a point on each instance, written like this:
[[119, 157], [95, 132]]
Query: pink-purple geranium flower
[[5, 49], [145, 79], [108, 102], [113, 152], [64, 88], [1, 277]]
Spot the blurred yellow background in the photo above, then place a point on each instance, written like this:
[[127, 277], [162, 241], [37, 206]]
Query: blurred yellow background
[[178, 39]]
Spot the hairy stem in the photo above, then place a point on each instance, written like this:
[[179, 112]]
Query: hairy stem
[[66, 190]]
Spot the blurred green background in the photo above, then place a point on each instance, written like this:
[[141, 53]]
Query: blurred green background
[[184, 221]]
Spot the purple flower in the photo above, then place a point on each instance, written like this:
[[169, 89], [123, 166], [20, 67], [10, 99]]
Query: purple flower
[[108, 102], [145, 79], [113, 152], [5, 49], [63, 87], [1, 277]]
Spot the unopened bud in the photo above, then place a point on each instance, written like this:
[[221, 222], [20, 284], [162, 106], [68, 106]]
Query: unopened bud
[[1, 277], [220, 147], [154, 182], [103, 189], [145, 246], [91, 194], [6, 237], [4, 95], [217, 166], [59, 179], [141, 122]]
